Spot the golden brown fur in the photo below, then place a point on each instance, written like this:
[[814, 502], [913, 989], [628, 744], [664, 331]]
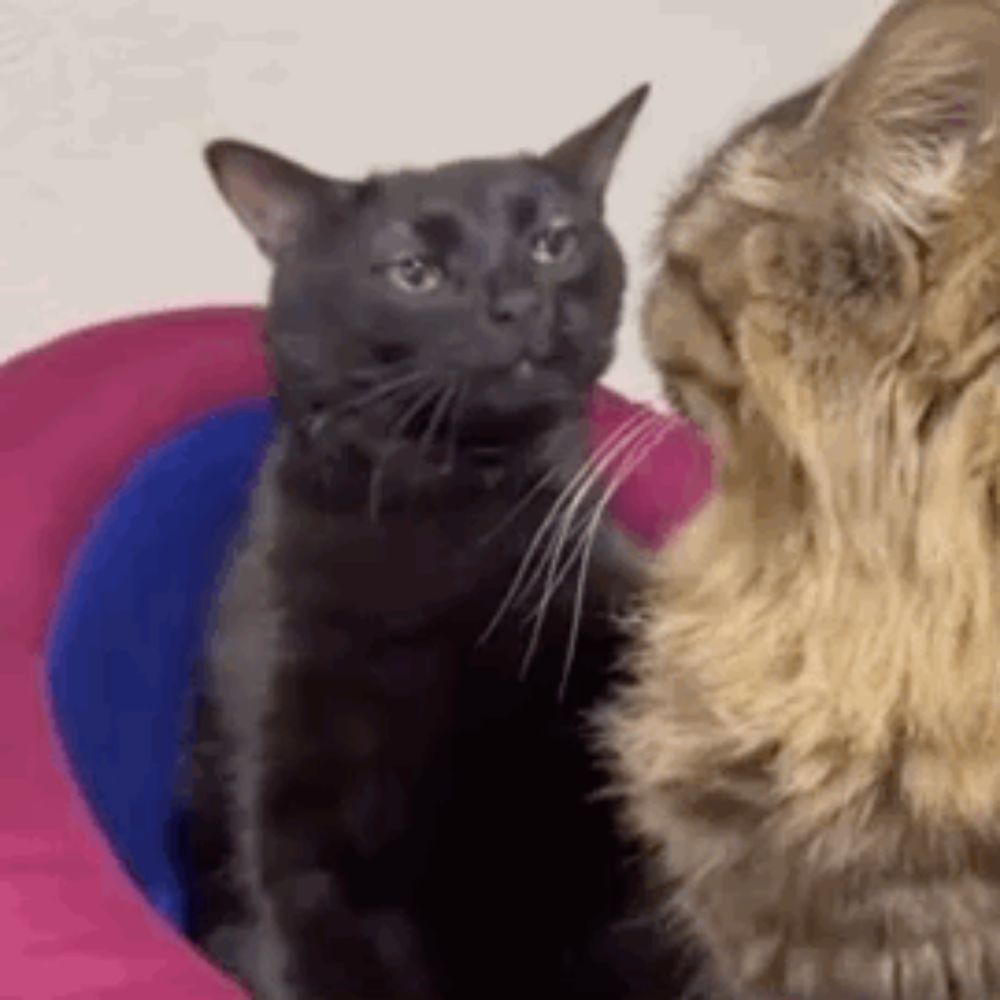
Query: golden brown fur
[[809, 744]]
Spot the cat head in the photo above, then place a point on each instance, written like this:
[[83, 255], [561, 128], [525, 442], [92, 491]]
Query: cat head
[[829, 283], [476, 300]]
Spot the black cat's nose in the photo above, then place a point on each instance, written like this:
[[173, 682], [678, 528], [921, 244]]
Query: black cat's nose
[[513, 305]]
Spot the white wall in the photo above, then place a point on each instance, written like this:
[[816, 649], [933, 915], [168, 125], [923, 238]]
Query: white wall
[[105, 207]]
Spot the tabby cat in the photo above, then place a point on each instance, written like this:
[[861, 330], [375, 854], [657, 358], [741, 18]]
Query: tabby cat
[[393, 796], [809, 740]]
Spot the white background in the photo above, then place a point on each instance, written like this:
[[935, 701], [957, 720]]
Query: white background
[[105, 207]]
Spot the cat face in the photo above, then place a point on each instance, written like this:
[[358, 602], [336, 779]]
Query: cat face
[[477, 300], [829, 285]]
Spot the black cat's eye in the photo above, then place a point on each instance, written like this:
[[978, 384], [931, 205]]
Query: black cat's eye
[[556, 244], [416, 275]]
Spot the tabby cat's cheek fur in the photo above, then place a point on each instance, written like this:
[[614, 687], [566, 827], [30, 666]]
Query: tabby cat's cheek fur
[[809, 743]]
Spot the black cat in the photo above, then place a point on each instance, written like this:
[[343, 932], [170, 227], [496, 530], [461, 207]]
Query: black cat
[[391, 798]]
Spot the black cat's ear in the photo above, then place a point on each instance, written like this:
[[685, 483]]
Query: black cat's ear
[[274, 198], [588, 157]]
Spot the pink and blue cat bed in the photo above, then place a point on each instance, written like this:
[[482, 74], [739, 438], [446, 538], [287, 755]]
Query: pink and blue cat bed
[[129, 450]]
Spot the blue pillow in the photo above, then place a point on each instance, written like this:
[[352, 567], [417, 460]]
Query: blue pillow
[[129, 628]]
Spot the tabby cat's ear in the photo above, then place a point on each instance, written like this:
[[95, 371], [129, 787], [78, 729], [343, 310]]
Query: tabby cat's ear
[[274, 198], [906, 118], [588, 157]]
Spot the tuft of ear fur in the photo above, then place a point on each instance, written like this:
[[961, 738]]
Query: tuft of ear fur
[[272, 197], [902, 122], [588, 156]]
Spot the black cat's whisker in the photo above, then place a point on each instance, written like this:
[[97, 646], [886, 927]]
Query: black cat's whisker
[[385, 453], [585, 546], [574, 498], [387, 391], [529, 494], [383, 389], [516, 587], [375, 482], [437, 417], [560, 532], [647, 437], [423, 397], [575, 491], [363, 376], [375, 490], [455, 415], [551, 558]]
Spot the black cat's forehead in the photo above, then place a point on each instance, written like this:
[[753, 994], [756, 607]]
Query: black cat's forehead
[[516, 192]]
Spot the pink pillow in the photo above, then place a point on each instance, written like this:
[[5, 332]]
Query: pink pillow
[[73, 417]]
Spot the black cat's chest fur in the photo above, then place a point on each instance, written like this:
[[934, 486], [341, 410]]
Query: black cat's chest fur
[[404, 565]]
